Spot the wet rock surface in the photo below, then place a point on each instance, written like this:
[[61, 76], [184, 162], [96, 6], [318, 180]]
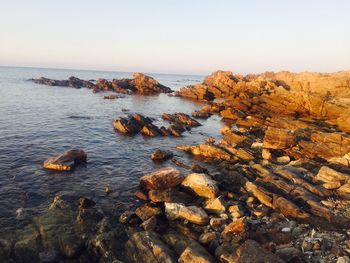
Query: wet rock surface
[[277, 189], [66, 161]]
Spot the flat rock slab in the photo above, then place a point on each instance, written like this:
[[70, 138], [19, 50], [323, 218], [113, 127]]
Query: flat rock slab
[[66, 161]]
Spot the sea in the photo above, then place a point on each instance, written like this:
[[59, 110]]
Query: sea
[[38, 122]]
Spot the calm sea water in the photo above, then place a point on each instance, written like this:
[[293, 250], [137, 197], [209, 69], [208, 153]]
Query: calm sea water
[[38, 121]]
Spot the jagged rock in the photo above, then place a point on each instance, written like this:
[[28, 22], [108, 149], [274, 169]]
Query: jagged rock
[[329, 175], [201, 114], [170, 195], [161, 179], [216, 206], [160, 155], [125, 126], [181, 118], [140, 84], [198, 92], [201, 184], [147, 247], [236, 211], [208, 151], [251, 252], [207, 237], [140, 195], [192, 214], [194, 255], [176, 130], [147, 211], [66, 161], [150, 224], [150, 130], [235, 227], [180, 243], [85, 202], [147, 85], [278, 139]]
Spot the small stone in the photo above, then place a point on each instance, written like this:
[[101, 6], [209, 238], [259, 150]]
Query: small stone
[[236, 211], [216, 206], [216, 222], [283, 159], [286, 230], [266, 154], [85, 202], [236, 227], [150, 224], [256, 145], [160, 155], [207, 237], [125, 217]]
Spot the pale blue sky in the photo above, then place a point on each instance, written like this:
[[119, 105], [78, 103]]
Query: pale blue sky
[[176, 36]]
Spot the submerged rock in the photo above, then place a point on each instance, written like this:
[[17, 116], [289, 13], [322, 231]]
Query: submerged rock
[[66, 161]]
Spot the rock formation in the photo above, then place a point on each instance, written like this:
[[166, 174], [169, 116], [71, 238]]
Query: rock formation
[[140, 84]]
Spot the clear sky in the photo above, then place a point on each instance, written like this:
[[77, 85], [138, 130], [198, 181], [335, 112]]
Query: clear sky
[[177, 36]]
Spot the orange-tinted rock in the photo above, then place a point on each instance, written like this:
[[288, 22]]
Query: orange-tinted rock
[[66, 161], [161, 179], [201, 184], [208, 151], [278, 138], [192, 214], [146, 211]]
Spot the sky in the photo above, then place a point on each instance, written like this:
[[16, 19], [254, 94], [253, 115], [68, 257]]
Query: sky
[[177, 36]]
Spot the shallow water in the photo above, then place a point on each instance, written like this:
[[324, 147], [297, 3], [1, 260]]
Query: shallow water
[[38, 121]]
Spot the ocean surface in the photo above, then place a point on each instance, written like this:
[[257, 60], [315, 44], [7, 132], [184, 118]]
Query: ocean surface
[[37, 122]]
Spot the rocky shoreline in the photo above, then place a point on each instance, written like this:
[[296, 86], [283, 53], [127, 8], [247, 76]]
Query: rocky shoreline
[[280, 190]]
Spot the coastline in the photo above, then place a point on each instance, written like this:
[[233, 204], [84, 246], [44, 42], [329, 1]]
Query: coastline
[[278, 189]]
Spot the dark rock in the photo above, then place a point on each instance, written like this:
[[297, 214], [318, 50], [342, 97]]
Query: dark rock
[[147, 247], [160, 155]]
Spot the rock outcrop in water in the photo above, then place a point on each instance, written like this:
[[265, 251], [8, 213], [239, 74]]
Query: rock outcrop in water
[[66, 161], [140, 84], [139, 124]]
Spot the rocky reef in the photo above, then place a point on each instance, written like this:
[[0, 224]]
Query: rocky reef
[[140, 84], [274, 188]]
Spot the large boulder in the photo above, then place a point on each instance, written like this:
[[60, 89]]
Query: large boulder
[[251, 252], [207, 151], [66, 161], [147, 247], [161, 179], [147, 85], [201, 184], [276, 138], [193, 214]]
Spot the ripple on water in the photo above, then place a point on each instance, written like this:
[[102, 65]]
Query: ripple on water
[[37, 122]]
